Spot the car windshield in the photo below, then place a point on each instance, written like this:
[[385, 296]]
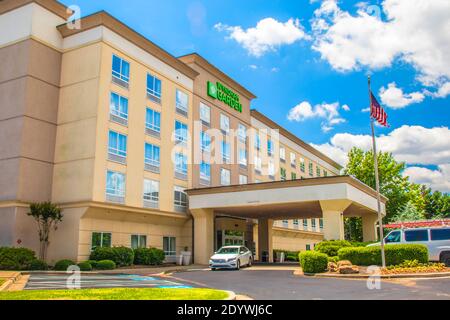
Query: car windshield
[[228, 251]]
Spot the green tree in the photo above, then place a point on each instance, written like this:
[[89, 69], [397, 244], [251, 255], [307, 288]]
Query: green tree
[[437, 204], [409, 212], [47, 216], [392, 183]]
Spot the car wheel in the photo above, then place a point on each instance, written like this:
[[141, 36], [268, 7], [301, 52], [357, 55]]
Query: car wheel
[[238, 264], [446, 259], [249, 262], [213, 269]]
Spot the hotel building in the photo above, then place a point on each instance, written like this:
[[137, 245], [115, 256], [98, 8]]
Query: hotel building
[[141, 148]]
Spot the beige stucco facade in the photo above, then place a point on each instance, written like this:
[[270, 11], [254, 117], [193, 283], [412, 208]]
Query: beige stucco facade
[[55, 122]]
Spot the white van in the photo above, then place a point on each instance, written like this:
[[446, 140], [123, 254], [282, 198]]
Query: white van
[[437, 239]]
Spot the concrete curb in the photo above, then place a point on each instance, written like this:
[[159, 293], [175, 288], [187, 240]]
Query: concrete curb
[[366, 276], [10, 280]]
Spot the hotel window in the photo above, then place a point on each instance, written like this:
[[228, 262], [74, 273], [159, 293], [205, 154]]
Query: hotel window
[[224, 124], [242, 133], [293, 176], [138, 241], [179, 199], [308, 247], [321, 224], [271, 168], [243, 158], [305, 224], [100, 240], [293, 160], [313, 224], [257, 142], [151, 193], [226, 151], [311, 169], [181, 167], [302, 165], [117, 147], [269, 147], [282, 154], [318, 171], [153, 88], [295, 222], [115, 187], [205, 173], [169, 246], [257, 181], [152, 158], [283, 174], [153, 122], [243, 179], [258, 164], [205, 114], [225, 177], [181, 133], [285, 223], [205, 142], [118, 109], [325, 173], [182, 103], [120, 71]]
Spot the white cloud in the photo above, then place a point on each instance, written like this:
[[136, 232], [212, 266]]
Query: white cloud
[[436, 179], [416, 32], [327, 111], [443, 91], [395, 98], [253, 66], [267, 35], [414, 145], [345, 107], [365, 109], [275, 69]]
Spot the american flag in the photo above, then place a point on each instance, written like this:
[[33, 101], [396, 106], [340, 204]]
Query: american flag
[[377, 112]]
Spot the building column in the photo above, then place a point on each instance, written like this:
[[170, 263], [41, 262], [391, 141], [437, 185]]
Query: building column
[[265, 237], [369, 227], [333, 218], [203, 235]]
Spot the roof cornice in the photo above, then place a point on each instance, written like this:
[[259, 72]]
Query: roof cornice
[[102, 18], [53, 6], [205, 64]]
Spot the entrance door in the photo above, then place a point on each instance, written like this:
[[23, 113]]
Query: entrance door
[[229, 238]]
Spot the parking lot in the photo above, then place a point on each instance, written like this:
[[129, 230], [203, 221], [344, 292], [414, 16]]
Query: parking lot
[[51, 282]]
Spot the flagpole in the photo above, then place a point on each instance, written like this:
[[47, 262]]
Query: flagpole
[[377, 181]]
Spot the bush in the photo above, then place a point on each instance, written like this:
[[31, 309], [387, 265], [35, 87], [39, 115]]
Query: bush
[[16, 258], [93, 263], [122, 256], [313, 261], [334, 259], [38, 265], [85, 266], [331, 248], [395, 254], [148, 256], [106, 265], [63, 265]]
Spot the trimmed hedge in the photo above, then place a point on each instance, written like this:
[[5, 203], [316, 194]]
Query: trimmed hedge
[[395, 254], [16, 258], [93, 263], [106, 265], [122, 256], [38, 265], [331, 248], [313, 261], [85, 266], [63, 265], [148, 256]]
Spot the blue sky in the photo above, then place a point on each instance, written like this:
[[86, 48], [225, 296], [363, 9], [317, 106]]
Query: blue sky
[[315, 55]]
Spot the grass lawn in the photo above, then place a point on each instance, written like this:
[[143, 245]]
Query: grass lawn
[[117, 294]]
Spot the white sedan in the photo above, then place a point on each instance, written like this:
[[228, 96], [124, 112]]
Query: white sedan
[[231, 257]]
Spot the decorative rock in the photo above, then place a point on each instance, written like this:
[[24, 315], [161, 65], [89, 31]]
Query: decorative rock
[[348, 270], [332, 267], [343, 263]]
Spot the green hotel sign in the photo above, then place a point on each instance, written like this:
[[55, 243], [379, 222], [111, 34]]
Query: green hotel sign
[[220, 92]]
